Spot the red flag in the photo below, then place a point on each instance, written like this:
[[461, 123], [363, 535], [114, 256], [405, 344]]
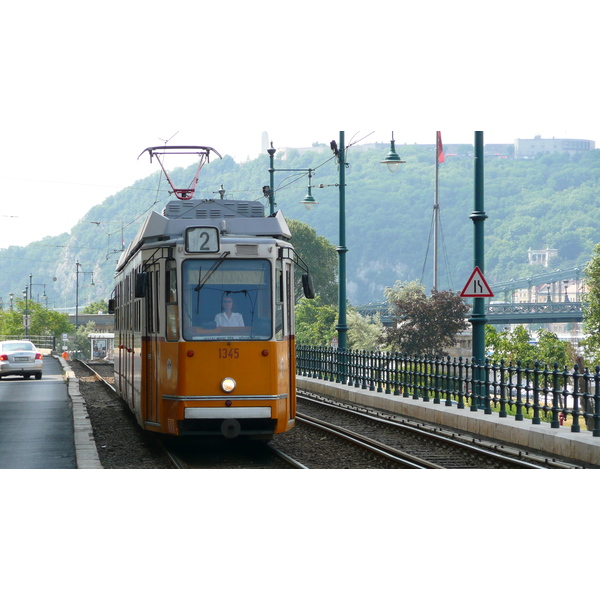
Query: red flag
[[440, 148]]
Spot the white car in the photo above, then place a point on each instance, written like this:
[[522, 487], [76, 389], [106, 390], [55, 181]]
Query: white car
[[20, 357]]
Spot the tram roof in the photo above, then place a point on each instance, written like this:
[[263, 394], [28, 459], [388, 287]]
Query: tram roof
[[167, 229]]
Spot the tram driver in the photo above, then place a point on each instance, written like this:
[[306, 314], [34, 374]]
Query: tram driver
[[228, 318]]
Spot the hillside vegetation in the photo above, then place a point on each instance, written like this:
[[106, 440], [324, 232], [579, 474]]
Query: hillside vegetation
[[548, 201]]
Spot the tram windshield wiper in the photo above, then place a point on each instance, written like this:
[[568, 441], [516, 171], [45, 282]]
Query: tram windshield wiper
[[203, 280]]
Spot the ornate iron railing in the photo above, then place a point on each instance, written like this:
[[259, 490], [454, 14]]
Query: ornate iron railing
[[543, 393], [529, 312]]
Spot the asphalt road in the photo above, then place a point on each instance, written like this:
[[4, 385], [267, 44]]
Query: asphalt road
[[36, 422]]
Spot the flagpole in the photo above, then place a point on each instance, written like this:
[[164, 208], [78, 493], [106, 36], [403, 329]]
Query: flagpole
[[436, 209]]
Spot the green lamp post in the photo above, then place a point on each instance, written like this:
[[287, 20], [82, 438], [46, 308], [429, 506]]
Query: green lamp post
[[309, 202], [478, 317]]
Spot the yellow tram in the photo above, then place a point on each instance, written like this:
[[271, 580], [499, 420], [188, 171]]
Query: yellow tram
[[204, 321]]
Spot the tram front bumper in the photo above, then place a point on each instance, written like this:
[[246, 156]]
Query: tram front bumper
[[230, 422], [237, 412]]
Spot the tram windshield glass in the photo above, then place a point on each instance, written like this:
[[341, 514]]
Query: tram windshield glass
[[227, 299]]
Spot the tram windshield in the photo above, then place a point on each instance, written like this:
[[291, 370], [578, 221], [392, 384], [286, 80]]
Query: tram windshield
[[227, 299]]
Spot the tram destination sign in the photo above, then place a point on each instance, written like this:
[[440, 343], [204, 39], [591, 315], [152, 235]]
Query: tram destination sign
[[202, 239]]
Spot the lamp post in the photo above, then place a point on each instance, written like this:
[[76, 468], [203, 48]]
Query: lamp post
[[269, 192], [309, 202], [478, 317], [342, 327], [26, 315], [11, 296], [77, 272], [43, 295]]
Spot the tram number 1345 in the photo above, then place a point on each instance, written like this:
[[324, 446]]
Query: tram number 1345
[[229, 353]]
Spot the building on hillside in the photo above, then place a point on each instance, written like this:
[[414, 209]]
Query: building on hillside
[[522, 148], [539, 145], [541, 257]]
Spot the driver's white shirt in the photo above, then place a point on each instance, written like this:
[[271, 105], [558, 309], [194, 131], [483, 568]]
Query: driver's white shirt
[[236, 320]]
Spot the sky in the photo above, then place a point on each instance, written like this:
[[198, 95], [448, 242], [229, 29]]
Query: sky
[[86, 87]]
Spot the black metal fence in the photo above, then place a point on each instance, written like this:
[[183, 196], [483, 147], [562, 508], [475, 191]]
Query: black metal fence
[[538, 392]]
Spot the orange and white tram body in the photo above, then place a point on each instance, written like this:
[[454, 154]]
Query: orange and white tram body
[[181, 367]]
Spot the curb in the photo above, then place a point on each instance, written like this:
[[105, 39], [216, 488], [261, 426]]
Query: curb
[[86, 453]]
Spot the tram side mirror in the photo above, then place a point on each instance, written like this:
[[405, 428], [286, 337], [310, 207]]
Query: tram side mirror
[[307, 284], [111, 306], [141, 280]]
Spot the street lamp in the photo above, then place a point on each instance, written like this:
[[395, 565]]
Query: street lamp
[[26, 315], [43, 295], [269, 191], [11, 296], [77, 272], [392, 160], [309, 202]]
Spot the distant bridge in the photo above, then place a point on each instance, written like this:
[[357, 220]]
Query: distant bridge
[[529, 312], [575, 273], [504, 314]]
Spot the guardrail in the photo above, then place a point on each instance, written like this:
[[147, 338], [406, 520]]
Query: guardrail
[[41, 341], [545, 394]]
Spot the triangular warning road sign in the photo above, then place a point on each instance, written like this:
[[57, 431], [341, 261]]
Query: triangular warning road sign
[[477, 286]]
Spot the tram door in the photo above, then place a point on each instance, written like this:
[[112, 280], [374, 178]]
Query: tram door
[[289, 310], [150, 357]]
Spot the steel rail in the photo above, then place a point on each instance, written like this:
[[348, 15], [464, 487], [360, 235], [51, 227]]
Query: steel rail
[[371, 445], [449, 441], [98, 376]]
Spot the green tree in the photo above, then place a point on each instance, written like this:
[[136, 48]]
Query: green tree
[[79, 347], [516, 345], [591, 308], [315, 322], [509, 346], [321, 258], [97, 307], [11, 322], [42, 321], [364, 333], [551, 350], [424, 324]]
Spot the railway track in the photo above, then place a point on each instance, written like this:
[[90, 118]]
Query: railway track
[[102, 371], [211, 454], [330, 434], [199, 454], [429, 445], [397, 458]]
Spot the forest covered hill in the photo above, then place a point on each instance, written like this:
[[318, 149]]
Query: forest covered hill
[[548, 201]]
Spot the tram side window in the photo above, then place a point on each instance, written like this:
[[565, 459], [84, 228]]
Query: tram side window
[[289, 302], [150, 304], [127, 302], [172, 333], [227, 299], [279, 289]]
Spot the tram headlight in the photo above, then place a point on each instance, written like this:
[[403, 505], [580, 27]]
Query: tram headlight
[[228, 385]]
